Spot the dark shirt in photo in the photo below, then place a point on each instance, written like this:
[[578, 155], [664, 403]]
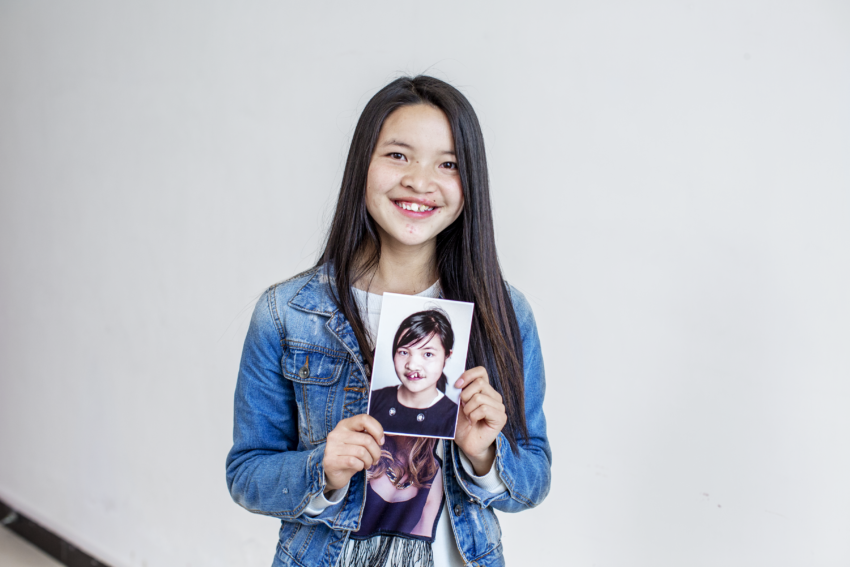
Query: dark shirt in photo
[[436, 421]]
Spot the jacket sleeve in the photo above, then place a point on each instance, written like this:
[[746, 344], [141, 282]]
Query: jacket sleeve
[[527, 473], [266, 473]]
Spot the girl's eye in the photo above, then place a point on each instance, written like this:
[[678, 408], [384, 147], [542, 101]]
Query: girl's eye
[[450, 165], [402, 352], [429, 354], [396, 155]]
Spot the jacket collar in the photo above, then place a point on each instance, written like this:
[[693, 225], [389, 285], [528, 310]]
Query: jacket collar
[[315, 295]]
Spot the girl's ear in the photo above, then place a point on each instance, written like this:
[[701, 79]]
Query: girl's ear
[[449, 355]]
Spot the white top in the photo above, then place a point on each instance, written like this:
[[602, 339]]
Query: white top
[[444, 548]]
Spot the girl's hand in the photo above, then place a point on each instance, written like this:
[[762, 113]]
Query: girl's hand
[[481, 418], [353, 446]]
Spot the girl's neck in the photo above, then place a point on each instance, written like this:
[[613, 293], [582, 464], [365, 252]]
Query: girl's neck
[[418, 400], [408, 270]]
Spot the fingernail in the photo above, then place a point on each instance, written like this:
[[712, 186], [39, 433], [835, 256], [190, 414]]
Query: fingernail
[[383, 439], [459, 383]]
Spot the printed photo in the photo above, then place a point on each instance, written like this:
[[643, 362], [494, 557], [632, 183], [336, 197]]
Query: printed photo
[[420, 353]]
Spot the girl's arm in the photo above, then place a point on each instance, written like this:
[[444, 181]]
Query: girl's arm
[[527, 474], [266, 473]]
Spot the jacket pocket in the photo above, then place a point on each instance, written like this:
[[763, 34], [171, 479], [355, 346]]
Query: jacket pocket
[[315, 372]]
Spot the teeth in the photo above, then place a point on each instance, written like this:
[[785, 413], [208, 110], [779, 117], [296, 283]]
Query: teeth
[[413, 207]]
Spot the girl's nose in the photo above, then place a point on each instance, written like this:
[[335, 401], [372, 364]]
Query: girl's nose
[[418, 178]]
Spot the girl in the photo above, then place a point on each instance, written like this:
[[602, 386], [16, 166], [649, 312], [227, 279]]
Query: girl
[[413, 216], [418, 406]]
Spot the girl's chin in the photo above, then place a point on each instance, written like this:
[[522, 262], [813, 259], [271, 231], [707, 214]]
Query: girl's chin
[[416, 387]]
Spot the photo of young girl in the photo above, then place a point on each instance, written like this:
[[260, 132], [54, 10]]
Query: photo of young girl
[[412, 396]]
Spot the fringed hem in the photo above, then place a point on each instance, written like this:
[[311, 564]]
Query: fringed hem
[[387, 551]]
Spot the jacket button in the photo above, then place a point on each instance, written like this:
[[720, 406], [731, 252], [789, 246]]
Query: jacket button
[[304, 372], [458, 510]]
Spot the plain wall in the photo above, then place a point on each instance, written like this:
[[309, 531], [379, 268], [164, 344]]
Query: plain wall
[[671, 191]]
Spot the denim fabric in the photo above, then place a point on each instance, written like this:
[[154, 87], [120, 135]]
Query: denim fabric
[[301, 373]]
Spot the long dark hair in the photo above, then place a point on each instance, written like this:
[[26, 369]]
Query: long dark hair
[[411, 456], [467, 262], [420, 327]]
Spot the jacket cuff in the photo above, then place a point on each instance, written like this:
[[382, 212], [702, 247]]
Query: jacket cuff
[[319, 502], [316, 472], [477, 493], [343, 511], [489, 481]]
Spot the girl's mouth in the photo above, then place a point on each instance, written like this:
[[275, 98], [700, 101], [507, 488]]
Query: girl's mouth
[[413, 376], [413, 207]]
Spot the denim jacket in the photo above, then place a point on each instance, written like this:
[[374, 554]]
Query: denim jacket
[[301, 373]]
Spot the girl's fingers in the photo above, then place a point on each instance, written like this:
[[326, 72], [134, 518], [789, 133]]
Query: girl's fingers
[[483, 411], [471, 375], [479, 387], [480, 400], [367, 424], [488, 414], [353, 445], [364, 457], [351, 458], [366, 441], [347, 463]]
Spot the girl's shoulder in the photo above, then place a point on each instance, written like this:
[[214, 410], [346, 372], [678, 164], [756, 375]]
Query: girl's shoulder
[[445, 405], [294, 283], [385, 393], [522, 308], [309, 291], [290, 307]]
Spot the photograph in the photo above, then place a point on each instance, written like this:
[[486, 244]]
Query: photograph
[[419, 355]]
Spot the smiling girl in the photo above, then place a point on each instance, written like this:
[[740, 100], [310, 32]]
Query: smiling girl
[[418, 405], [413, 217]]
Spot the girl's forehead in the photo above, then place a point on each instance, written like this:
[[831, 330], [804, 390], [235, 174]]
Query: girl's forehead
[[420, 342], [419, 125]]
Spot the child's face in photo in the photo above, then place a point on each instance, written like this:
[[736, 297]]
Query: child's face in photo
[[419, 366]]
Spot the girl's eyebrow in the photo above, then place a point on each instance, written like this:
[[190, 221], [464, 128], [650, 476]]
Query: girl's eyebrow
[[408, 347], [394, 142], [399, 143]]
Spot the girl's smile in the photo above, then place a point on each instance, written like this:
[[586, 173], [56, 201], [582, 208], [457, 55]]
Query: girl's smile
[[416, 209]]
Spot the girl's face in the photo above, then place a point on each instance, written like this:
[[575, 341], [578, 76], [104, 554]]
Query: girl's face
[[413, 188], [420, 366]]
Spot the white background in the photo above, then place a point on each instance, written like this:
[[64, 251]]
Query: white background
[[394, 309], [671, 191]]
